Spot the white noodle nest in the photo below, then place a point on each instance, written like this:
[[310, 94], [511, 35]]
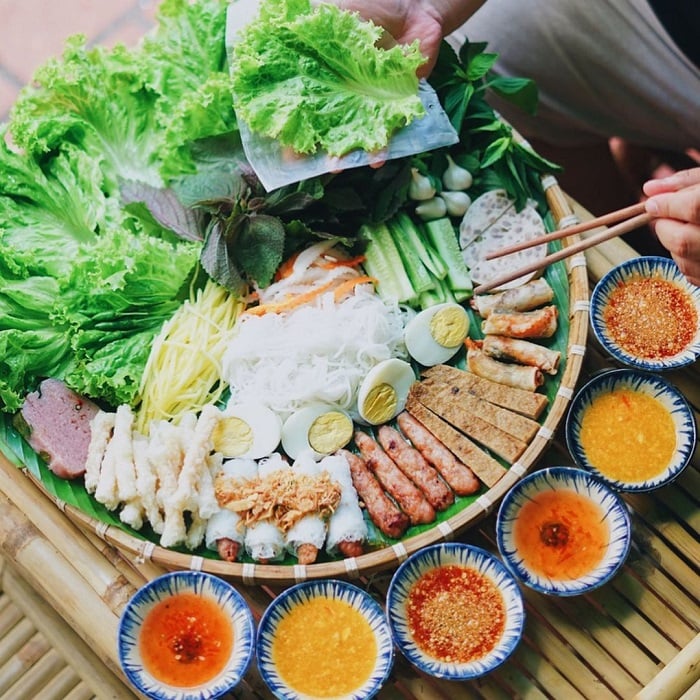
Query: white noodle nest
[[315, 353]]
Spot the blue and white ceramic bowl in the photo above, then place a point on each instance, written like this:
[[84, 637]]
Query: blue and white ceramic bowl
[[469, 556], [146, 598], [668, 395], [582, 482], [302, 593], [649, 266]]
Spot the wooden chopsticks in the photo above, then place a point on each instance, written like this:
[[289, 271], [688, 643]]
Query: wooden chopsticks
[[638, 215]]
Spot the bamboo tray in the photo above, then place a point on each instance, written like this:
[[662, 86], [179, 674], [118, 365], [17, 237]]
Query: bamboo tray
[[390, 556]]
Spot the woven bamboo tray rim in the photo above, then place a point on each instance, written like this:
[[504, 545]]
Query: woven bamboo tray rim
[[142, 550]]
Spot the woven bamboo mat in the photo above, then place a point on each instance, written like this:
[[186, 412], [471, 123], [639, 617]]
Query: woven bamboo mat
[[41, 657]]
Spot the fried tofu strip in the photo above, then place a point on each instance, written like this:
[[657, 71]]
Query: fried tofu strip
[[458, 475], [525, 402], [409, 497], [487, 469], [468, 422], [412, 463], [385, 514], [435, 394]]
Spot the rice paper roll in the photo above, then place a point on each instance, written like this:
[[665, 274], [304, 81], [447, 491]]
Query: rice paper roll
[[540, 323], [523, 352], [306, 537], [225, 523], [347, 524], [526, 297], [264, 541], [523, 377]]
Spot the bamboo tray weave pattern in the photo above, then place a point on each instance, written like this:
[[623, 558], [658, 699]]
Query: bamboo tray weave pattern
[[575, 270]]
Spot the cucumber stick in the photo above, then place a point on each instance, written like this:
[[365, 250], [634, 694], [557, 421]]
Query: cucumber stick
[[417, 272], [419, 264], [413, 236], [441, 235], [383, 262]]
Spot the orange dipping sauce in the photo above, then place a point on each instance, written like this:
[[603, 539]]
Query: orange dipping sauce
[[561, 534], [186, 640], [455, 614]]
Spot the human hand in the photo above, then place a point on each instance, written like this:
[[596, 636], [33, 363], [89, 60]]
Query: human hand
[[674, 204], [429, 21]]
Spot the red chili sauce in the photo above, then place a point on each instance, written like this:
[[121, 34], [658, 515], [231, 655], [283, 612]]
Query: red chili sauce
[[186, 640], [455, 614], [651, 317]]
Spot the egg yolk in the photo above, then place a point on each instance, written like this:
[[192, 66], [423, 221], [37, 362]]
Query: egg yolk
[[449, 326], [232, 436], [380, 404], [330, 431]]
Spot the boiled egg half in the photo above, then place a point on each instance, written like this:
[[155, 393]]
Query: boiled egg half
[[383, 392], [249, 430], [435, 334], [322, 428]]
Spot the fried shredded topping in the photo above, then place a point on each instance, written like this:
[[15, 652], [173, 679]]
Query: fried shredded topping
[[282, 497]]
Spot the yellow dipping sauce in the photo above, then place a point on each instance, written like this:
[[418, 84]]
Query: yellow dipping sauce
[[324, 648], [628, 436]]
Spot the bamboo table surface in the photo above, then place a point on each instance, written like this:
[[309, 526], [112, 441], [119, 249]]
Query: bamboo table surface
[[636, 637]]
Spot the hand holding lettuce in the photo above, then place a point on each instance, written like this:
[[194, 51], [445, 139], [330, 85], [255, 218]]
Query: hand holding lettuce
[[314, 78]]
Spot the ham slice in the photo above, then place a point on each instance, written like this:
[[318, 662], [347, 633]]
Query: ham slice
[[58, 422]]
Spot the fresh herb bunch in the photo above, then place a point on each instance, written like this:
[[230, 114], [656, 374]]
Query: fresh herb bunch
[[495, 154]]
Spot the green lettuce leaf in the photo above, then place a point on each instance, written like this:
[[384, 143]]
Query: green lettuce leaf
[[184, 61], [96, 99], [315, 77], [32, 346], [54, 207], [115, 301]]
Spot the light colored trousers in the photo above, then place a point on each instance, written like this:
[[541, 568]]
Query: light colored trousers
[[603, 68]]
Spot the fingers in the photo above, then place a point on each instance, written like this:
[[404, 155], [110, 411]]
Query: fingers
[[683, 205], [682, 240], [672, 183]]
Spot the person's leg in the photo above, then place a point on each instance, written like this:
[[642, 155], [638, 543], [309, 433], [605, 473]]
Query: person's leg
[[602, 68]]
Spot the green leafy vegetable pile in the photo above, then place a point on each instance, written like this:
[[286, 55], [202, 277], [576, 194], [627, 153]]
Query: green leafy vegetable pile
[[85, 280], [123, 181]]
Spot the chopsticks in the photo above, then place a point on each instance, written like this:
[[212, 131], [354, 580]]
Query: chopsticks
[[638, 215]]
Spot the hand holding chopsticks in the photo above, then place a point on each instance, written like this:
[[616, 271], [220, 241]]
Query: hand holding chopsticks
[[638, 218]]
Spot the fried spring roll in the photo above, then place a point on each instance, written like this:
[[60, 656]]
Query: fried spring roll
[[526, 297], [412, 463], [409, 497], [458, 475], [522, 352], [517, 376], [541, 323], [385, 514]]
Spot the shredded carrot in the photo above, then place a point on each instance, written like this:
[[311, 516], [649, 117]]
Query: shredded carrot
[[332, 263], [344, 287], [286, 268], [291, 303]]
